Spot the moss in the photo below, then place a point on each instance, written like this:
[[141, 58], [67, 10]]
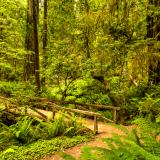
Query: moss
[[41, 148]]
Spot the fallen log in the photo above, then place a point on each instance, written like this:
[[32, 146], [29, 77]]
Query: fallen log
[[38, 112]]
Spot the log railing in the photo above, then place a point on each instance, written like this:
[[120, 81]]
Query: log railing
[[82, 106], [82, 109], [53, 106]]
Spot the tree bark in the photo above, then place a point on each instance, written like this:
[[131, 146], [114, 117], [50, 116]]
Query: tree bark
[[36, 44], [45, 34], [88, 55], [45, 28], [31, 65], [153, 30]]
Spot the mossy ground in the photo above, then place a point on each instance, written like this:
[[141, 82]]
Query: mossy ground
[[41, 148]]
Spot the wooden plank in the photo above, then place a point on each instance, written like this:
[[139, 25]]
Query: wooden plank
[[95, 125], [80, 107], [88, 113], [76, 103], [115, 116], [54, 106]]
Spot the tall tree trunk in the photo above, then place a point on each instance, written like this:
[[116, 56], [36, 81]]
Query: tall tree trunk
[[45, 25], [29, 64], [88, 55], [45, 33], [36, 44], [153, 32]]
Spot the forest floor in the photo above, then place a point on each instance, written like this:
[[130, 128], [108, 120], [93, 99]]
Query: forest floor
[[104, 131]]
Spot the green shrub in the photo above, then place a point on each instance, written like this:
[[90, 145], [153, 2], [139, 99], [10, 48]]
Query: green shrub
[[17, 141], [16, 89], [108, 114], [63, 124], [84, 90], [73, 125], [41, 148], [6, 137], [55, 128], [22, 130]]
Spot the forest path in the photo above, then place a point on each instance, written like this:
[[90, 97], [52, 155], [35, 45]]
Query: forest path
[[105, 131]]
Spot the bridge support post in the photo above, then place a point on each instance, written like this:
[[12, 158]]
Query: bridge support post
[[95, 125], [114, 115]]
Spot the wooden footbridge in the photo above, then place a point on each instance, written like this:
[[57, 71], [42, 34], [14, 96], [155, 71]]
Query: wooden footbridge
[[41, 107]]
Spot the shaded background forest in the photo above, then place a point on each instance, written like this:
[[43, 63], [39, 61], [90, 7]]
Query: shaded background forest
[[104, 52]]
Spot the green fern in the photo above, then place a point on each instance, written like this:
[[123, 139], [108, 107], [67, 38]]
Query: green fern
[[22, 130], [6, 137]]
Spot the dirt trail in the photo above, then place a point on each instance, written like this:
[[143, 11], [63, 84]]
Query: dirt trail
[[105, 131]]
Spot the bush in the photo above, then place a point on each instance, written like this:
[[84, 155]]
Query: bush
[[85, 91], [16, 89], [107, 114], [6, 137], [63, 124], [23, 130]]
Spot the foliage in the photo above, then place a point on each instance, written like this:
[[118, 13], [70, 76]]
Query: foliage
[[27, 130], [12, 25], [148, 104], [55, 128], [141, 143], [41, 148], [84, 91], [11, 89], [27, 139], [6, 137], [63, 124], [22, 130], [107, 114]]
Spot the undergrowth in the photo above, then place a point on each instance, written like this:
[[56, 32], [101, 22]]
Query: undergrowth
[[31, 139], [41, 148], [141, 143]]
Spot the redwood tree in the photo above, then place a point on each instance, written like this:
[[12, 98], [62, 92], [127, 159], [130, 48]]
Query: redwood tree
[[153, 30], [31, 66]]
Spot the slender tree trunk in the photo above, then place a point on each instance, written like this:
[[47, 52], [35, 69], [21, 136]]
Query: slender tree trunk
[[45, 33], [36, 44], [1, 28], [88, 55], [45, 25], [29, 64]]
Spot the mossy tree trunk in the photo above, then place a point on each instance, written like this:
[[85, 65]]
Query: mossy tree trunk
[[31, 64], [45, 34], [153, 33]]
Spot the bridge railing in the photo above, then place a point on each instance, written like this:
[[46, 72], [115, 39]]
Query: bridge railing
[[82, 109], [54, 106]]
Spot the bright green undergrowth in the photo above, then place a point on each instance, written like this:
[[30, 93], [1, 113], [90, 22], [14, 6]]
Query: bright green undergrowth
[[139, 144], [30, 139], [41, 148]]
